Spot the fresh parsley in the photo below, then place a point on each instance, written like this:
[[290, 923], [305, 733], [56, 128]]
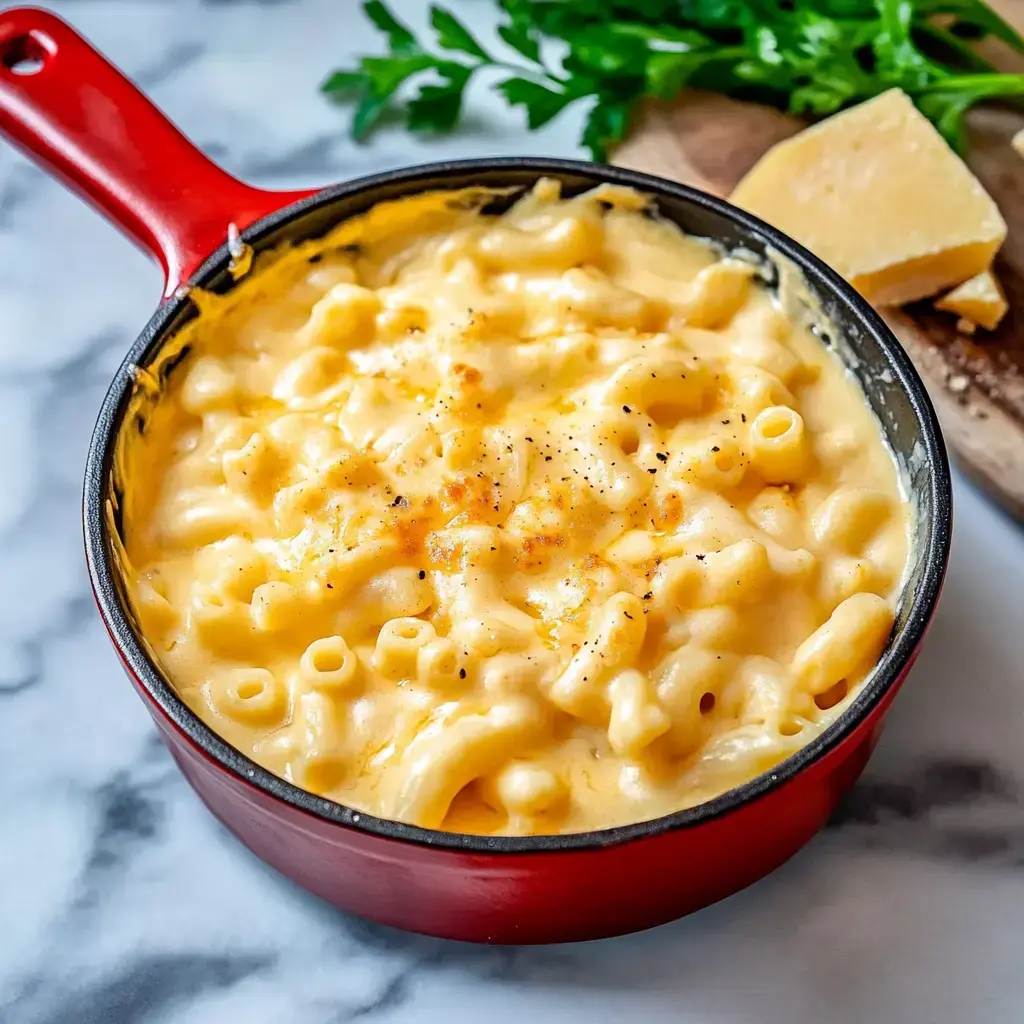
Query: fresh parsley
[[808, 57]]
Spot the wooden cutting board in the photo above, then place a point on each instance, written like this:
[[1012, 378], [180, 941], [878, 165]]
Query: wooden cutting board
[[977, 385]]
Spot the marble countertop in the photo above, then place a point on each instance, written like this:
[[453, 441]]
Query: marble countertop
[[122, 900]]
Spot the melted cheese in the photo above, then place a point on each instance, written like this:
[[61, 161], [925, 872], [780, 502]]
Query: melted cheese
[[543, 522]]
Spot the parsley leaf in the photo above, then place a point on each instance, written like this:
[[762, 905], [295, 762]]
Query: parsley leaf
[[453, 35], [436, 107], [400, 39], [521, 32], [606, 125], [344, 82], [541, 103]]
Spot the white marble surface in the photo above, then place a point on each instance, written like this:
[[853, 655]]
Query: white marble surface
[[122, 900]]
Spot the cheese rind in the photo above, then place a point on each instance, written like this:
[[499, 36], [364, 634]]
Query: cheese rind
[[878, 194], [980, 301]]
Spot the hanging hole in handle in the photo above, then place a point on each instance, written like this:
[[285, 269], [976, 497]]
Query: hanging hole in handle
[[27, 54]]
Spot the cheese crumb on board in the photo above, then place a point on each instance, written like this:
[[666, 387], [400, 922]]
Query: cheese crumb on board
[[979, 301], [877, 193], [1018, 142]]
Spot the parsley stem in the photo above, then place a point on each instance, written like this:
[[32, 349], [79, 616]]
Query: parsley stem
[[981, 86]]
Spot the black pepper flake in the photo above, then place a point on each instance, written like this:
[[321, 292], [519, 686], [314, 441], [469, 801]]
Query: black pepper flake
[[661, 456], [700, 558], [653, 470], [423, 574], [547, 458], [400, 502], [648, 595], [462, 673], [725, 423], [743, 417], [715, 448], [628, 616], [626, 408], [530, 439], [330, 586]]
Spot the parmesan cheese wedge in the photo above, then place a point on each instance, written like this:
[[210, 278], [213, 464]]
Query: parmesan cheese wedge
[[877, 193], [980, 301]]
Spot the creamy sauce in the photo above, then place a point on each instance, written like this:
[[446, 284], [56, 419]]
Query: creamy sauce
[[532, 523]]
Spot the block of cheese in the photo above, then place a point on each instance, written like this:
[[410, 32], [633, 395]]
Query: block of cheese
[[877, 193], [980, 301]]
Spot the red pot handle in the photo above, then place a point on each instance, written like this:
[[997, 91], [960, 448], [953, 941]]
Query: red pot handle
[[77, 116]]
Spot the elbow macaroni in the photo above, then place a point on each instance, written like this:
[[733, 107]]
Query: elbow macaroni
[[512, 524]]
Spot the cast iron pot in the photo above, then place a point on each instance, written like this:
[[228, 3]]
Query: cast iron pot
[[77, 116]]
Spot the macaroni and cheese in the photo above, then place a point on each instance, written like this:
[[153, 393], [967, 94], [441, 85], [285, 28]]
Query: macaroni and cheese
[[525, 523]]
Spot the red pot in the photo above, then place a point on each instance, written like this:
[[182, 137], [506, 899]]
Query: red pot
[[77, 116]]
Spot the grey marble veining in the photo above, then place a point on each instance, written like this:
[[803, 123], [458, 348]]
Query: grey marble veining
[[122, 900]]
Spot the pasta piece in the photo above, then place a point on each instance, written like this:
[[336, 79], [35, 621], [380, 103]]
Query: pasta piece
[[158, 616], [847, 576], [717, 464], [328, 664], [739, 573], [398, 646], [615, 640], [666, 389], [204, 515], [778, 449], [569, 242], [438, 664], [755, 389], [210, 385], [850, 641], [584, 297], [718, 293], [506, 674], [850, 517], [636, 718], [484, 638], [251, 471], [307, 376], [396, 594], [251, 696], [688, 683], [775, 511], [719, 626], [345, 317], [767, 687], [276, 606], [437, 764], [222, 622], [233, 566], [526, 789], [320, 764]]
